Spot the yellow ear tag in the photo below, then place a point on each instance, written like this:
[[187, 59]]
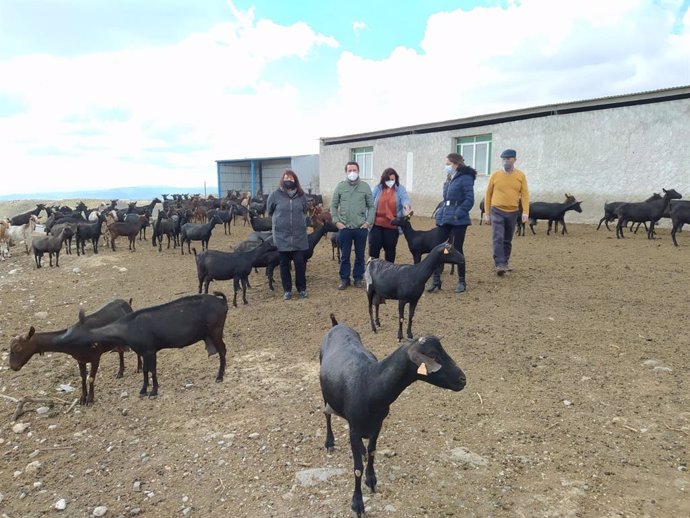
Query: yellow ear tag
[[422, 369]]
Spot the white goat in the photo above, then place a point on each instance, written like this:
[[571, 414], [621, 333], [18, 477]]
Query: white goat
[[18, 234]]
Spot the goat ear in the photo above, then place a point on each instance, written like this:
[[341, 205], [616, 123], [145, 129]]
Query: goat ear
[[31, 332], [82, 316], [424, 363]]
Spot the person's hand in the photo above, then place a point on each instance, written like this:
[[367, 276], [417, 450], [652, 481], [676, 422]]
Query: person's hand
[[366, 225], [525, 217], [340, 225], [487, 219]]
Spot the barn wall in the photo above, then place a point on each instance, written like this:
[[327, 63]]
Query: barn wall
[[601, 155]]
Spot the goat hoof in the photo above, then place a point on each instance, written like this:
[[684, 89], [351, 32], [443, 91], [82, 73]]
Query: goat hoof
[[153, 396], [218, 380]]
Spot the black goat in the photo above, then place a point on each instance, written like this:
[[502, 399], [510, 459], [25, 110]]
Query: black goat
[[335, 245], [610, 209], [51, 245], [419, 241], [90, 232], [680, 214], [224, 215], [213, 265], [651, 211], [552, 212], [361, 389], [164, 226], [404, 282], [260, 224], [23, 218], [197, 232], [22, 348], [173, 325]]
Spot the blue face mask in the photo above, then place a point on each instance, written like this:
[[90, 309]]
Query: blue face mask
[[449, 169]]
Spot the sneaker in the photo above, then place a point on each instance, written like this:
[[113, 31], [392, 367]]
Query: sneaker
[[344, 283], [358, 283], [303, 294], [509, 268], [500, 271], [461, 287], [287, 296]]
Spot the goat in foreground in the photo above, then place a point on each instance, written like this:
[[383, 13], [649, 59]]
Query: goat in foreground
[[175, 324], [359, 388], [680, 214], [22, 348], [404, 282]]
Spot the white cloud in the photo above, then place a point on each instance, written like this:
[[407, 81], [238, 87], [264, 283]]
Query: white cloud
[[358, 26], [165, 114]]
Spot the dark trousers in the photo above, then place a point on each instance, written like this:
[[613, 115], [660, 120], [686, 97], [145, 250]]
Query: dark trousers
[[299, 259], [348, 236], [502, 231], [386, 238], [456, 235]]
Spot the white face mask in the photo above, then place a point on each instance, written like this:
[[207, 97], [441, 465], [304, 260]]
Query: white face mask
[[390, 183], [353, 176]]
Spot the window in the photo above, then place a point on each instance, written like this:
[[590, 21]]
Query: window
[[364, 156], [476, 151]]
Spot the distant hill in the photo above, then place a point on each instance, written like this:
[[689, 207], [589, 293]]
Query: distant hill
[[145, 192]]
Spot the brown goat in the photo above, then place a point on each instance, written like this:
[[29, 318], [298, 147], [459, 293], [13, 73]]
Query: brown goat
[[23, 347], [129, 229]]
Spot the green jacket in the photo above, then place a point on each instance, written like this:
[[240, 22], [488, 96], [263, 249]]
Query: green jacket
[[353, 204]]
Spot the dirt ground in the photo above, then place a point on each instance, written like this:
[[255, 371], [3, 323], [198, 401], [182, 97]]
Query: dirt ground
[[577, 400]]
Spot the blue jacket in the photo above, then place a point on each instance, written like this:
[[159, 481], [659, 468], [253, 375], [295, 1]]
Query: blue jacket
[[401, 198], [458, 198]]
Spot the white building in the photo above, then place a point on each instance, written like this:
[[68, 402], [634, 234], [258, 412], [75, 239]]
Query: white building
[[614, 148]]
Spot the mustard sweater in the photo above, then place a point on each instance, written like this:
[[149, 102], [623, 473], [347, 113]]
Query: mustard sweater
[[505, 190]]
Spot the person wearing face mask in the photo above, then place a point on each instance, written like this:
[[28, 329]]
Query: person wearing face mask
[[506, 188], [353, 214], [390, 201], [453, 214], [287, 207]]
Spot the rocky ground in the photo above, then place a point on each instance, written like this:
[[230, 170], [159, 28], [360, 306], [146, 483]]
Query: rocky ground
[[577, 401]]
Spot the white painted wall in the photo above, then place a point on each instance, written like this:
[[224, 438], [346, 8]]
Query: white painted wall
[[624, 153]]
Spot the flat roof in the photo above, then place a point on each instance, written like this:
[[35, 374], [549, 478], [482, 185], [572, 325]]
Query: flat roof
[[601, 103], [261, 158]]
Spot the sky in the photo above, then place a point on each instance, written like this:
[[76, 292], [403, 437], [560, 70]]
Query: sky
[[114, 93]]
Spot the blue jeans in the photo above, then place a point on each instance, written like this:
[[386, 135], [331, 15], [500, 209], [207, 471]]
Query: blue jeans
[[347, 236], [502, 230]]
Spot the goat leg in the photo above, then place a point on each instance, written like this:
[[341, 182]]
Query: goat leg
[[154, 376], [244, 290], [82, 373], [145, 388], [357, 500], [370, 474], [236, 286], [121, 370], [412, 307], [92, 379], [330, 441]]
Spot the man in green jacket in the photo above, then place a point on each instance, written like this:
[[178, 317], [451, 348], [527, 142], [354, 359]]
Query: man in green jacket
[[353, 213]]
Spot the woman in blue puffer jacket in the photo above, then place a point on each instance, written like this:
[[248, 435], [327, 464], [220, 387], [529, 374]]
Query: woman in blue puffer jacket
[[454, 214]]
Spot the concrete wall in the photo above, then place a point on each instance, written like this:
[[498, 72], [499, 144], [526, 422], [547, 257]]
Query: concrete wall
[[624, 153]]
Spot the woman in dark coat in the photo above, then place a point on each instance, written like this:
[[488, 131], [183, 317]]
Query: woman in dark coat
[[287, 206], [454, 214]]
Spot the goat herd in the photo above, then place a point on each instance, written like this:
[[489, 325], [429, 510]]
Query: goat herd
[[354, 384]]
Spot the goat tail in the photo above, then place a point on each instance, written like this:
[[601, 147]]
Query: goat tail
[[220, 295], [334, 322]]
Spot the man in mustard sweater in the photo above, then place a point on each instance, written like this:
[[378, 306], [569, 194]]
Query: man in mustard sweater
[[506, 189]]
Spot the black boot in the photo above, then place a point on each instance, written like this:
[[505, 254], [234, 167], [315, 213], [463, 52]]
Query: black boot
[[435, 282], [461, 287]]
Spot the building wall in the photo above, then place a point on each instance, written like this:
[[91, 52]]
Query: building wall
[[624, 153]]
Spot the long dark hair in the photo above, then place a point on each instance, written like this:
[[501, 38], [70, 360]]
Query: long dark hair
[[298, 187], [386, 175]]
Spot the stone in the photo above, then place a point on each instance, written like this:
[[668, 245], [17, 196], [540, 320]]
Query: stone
[[135, 511], [33, 467], [136, 486], [254, 435], [20, 427], [61, 504], [311, 477], [100, 510], [465, 455], [42, 410], [41, 315]]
